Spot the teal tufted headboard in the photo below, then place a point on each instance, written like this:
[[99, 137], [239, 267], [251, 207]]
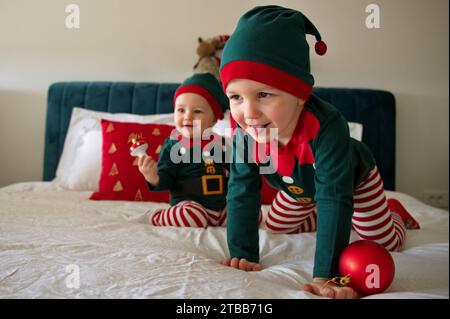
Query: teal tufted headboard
[[375, 109]]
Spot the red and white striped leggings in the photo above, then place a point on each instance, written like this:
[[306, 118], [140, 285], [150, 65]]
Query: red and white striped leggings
[[372, 219], [189, 214]]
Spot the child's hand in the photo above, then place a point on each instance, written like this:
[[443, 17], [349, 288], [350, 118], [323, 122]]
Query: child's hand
[[319, 287], [149, 168], [241, 264]]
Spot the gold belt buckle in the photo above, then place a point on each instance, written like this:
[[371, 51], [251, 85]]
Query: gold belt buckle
[[206, 178]]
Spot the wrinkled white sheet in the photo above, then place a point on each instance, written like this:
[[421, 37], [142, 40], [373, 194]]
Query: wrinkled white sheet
[[45, 230]]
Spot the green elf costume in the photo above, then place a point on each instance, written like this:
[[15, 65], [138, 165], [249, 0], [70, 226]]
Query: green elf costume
[[194, 171], [320, 172]]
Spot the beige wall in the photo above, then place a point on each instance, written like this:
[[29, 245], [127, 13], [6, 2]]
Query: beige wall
[[154, 40]]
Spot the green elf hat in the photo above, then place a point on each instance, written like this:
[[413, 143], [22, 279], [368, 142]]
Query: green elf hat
[[269, 46], [207, 86]]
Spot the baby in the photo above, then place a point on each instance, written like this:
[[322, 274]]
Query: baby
[[192, 164]]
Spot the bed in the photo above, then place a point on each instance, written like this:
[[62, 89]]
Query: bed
[[50, 235]]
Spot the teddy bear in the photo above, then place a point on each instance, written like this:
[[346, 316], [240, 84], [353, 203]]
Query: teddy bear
[[209, 52]]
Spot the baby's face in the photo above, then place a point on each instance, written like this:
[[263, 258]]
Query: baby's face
[[257, 108], [193, 114]]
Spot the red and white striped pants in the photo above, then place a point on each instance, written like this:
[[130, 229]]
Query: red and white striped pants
[[372, 219], [188, 214]]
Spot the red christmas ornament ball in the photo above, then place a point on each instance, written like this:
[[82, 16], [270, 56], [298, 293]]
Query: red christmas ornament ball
[[369, 265]]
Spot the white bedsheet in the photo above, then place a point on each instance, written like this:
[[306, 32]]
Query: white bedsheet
[[44, 230]]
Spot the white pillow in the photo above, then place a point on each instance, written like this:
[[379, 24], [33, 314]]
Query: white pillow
[[356, 130], [79, 167]]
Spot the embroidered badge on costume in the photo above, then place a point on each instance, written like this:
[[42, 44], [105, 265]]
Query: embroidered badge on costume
[[288, 179], [304, 200], [210, 170], [295, 189]]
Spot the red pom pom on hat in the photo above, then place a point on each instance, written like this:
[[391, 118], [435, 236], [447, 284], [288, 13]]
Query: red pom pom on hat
[[320, 47]]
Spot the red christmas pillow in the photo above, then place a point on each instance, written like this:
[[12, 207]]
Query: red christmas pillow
[[268, 193], [120, 177]]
